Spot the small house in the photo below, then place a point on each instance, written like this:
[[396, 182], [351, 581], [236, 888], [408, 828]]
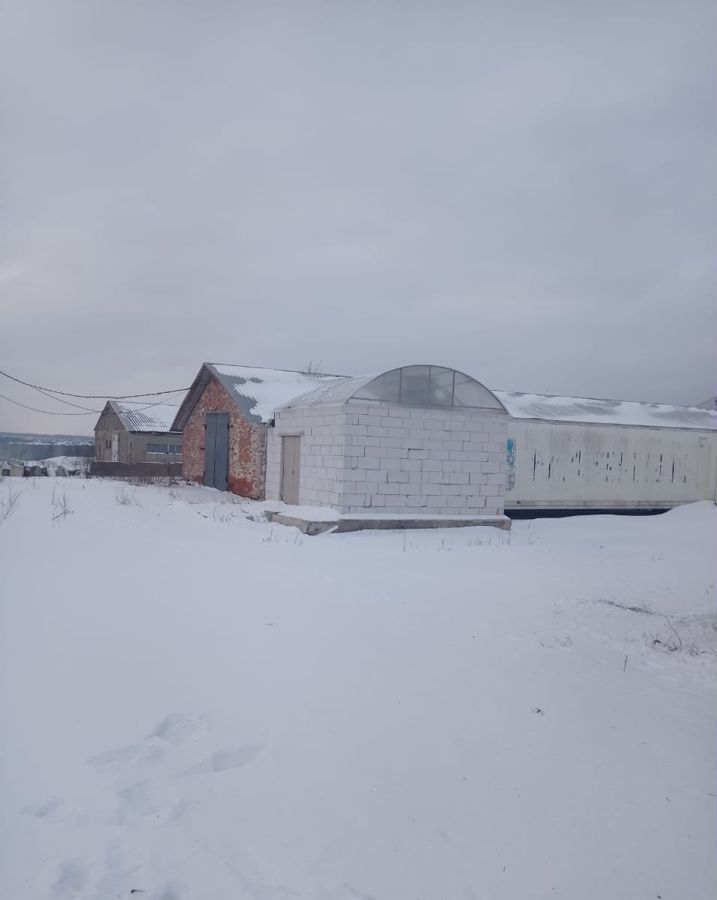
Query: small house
[[136, 436]]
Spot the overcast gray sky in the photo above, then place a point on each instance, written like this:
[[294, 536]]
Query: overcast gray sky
[[522, 190]]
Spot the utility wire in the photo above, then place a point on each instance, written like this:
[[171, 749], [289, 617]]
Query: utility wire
[[47, 412], [95, 412], [66, 402], [158, 402], [38, 387]]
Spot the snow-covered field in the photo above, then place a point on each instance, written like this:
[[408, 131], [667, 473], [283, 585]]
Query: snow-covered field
[[198, 706]]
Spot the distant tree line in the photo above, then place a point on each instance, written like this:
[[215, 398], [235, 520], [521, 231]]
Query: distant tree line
[[33, 447]]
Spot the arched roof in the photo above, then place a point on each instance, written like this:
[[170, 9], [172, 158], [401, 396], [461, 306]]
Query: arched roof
[[423, 385]]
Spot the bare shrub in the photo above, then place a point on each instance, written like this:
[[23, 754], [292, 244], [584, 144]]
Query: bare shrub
[[678, 639], [674, 641], [611, 601], [499, 538], [61, 508], [124, 498], [8, 504]]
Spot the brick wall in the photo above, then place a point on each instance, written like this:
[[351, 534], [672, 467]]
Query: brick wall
[[396, 459], [247, 444]]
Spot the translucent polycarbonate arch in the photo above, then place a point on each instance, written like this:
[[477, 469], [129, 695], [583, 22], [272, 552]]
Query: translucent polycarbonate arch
[[428, 386]]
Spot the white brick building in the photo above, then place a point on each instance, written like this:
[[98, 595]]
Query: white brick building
[[421, 440]]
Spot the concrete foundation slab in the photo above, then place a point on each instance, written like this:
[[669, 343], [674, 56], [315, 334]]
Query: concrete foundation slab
[[366, 522]]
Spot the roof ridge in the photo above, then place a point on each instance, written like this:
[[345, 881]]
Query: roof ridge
[[278, 369], [597, 399]]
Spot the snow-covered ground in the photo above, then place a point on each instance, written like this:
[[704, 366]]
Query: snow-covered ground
[[198, 706]]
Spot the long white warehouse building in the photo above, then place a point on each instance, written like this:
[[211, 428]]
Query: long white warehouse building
[[569, 453]]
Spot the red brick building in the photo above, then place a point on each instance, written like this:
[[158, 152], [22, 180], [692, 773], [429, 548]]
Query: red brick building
[[224, 419]]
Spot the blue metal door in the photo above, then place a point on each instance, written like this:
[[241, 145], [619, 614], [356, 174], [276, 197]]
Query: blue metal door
[[210, 430], [216, 451]]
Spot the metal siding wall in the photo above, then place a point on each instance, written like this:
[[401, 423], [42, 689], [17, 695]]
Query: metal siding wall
[[572, 466], [216, 456]]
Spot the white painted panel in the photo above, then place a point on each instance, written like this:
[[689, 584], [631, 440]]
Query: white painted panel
[[601, 466]]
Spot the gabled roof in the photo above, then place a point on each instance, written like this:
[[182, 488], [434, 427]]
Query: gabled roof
[[605, 412], [256, 391], [155, 419]]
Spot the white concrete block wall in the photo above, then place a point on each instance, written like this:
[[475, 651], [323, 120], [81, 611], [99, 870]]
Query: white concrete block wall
[[423, 461], [358, 457], [323, 447], [273, 465]]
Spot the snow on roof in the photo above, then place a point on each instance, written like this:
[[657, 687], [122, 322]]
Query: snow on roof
[[337, 391], [157, 418], [547, 407], [605, 412], [259, 392]]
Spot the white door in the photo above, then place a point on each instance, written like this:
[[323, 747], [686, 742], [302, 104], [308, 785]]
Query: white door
[[115, 446], [290, 458]]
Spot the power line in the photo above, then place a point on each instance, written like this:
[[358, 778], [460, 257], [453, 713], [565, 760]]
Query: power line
[[95, 412], [47, 412], [38, 387], [158, 403], [66, 402]]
